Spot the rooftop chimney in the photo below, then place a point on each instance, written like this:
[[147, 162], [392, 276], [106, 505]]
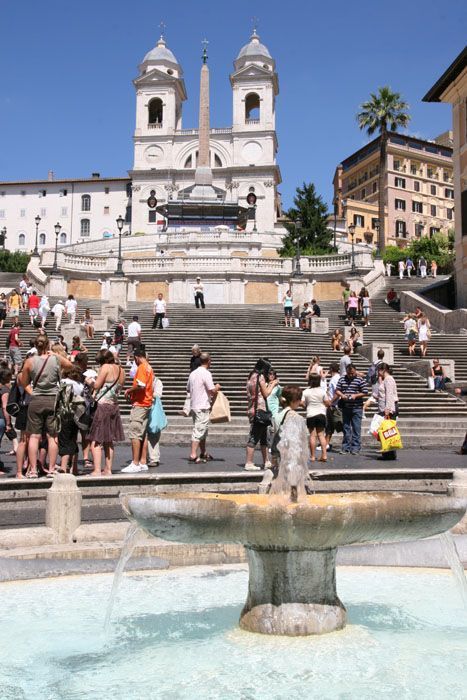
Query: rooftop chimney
[[50, 176], [95, 176]]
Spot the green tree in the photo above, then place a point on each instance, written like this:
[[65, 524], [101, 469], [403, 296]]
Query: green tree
[[437, 247], [385, 111], [314, 234], [13, 262]]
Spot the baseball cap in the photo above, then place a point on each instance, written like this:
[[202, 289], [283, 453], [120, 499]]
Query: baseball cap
[[90, 374]]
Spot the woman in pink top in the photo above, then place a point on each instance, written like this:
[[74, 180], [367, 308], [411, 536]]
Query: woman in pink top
[[353, 306]]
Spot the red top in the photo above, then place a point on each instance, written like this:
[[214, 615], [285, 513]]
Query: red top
[[33, 301], [13, 338]]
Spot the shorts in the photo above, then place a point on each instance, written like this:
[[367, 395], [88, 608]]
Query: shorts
[[200, 424], [13, 312], [33, 312], [2, 314], [258, 433], [139, 418], [135, 343], [352, 311], [366, 311], [288, 311], [41, 415], [316, 422], [15, 356]]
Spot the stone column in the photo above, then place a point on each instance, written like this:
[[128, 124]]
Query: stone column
[[204, 127], [56, 286], [63, 510], [119, 291]]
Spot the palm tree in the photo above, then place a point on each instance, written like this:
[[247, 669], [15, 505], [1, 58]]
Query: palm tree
[[385, 111]]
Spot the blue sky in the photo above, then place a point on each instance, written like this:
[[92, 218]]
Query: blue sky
[[67, 100]]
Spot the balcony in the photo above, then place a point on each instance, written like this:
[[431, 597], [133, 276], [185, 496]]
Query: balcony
[[251, 121], [155, 125]]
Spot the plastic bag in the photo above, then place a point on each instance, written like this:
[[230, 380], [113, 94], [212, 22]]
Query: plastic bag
[[297, 323], [375, 425], [389, 436], [165, 323], [157, 418]]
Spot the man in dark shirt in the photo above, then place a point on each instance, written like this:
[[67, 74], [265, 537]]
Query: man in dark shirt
[[315, 308], [351, 390]]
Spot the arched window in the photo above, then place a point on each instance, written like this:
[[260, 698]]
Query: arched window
[[85, 227], [189, 162], [155, 111], [42, 239], [252, 110], [217, 161], [21, 239], [62, 238], [86, 202]]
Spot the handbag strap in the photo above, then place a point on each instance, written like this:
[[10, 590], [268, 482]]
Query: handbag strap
[[36, 380], [109, 388], [255, 407]]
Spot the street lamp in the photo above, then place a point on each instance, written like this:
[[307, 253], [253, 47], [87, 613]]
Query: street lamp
[[377, 227], [57, 228], [298, 270], [335, 203], [3, 237], [38, 221], [352, 234], [119, 272]]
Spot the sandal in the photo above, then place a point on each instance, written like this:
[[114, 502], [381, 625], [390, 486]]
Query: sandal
[[32, 475], [207, 457], [196, 460], [322, 459], [88, 464]]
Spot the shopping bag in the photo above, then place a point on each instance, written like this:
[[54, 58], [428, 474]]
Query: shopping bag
[[389, 436], [186, 410], [165, 323], [375, 425], [157, 418], [220, 410], [431, 383], [297, 323]]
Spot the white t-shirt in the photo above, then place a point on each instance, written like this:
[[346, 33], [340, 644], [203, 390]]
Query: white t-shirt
[[332, 386], [159, 306], [199, 287], [71, 305], [199, 385], [58, 309], [134, 329], [23, 286], [313, 399]]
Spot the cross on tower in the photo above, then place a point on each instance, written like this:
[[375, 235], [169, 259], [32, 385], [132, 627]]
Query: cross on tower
[[162, 27], [205, 43], [255, 23]]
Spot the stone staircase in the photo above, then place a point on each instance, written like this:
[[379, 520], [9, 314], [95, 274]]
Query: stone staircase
[[237, 335]]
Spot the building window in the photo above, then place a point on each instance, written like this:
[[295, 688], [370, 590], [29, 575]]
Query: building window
[[252, 109], [2, 193], [431, 173], [359, 220], [2, 213], [433, 230], [106, 210], [86, 202], [64, 211], [42, 239], [400, 204], [433, 209], [450, 214], [63, 193], [463, 211], [85, 227], [417, 207], [397, 165], [152, 216], [106, 190], [62, 238], [43, 212], [399, 182], [416, 185], [22, 213], [189, 162], [433, 190], [413, 168], [418, 230], [447, 176], [374, 223], [21, 239], [128, 189], [155, 111], [375, 187], [42, 193], [449, 194], [401, 231], [363, 194], [23, 193]]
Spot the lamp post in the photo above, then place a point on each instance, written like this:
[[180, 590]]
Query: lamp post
[[57, 228], [38, 221], [298, 269], [3, 237], [335, 203], [352, 234], [119, 272], [377, 227]]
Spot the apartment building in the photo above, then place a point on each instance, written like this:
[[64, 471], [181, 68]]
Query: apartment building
[[419, 188]]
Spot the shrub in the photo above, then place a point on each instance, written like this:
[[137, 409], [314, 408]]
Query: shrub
[[13, 262]]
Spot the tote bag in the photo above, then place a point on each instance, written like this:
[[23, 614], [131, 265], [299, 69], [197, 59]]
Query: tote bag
[[157, 418], [165, 323], [220, 410]]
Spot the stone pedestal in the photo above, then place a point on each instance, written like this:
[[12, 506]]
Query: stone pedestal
[[319, 325], [292, 593], [302, 290], [119, 291], [63, 510], [423, 367], [56, 286], [370, 351]]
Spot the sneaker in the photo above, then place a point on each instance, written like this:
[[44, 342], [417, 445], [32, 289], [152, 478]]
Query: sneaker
[[268, 465], [143, 467], [132, 468], [152, 465], [318, 447], [344, 452], [250, 467], [354, 452]]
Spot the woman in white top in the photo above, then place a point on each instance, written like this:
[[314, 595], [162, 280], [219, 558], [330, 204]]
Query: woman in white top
[[401, 266], [316, 403], [424, 334], [366, 308]]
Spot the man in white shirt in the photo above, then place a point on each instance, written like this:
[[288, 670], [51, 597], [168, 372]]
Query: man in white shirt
[[202, 392], [58, 311], [134, 338], [70, 307], [198, 291], [160, 309]]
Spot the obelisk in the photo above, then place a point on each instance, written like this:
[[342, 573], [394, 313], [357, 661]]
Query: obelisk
[[203, 188]]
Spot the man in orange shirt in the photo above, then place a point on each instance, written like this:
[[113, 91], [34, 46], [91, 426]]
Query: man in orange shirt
[[141, 396]]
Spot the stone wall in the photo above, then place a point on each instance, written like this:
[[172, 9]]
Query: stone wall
[[261, 293], [328, 291], [147, 291], [84, 289]]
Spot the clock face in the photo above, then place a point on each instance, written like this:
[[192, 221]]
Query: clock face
[[153, 154]]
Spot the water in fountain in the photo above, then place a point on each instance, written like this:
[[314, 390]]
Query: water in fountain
[[453, 559], [293, 479], [129, 543]]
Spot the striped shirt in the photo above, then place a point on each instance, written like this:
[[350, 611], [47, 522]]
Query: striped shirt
[[352, 385]]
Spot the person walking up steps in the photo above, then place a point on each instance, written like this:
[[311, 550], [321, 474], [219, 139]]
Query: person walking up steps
[[401, 267], [71, 306], [198, 291], [203, 392], [58, 311], [134, 339], [141, 396]]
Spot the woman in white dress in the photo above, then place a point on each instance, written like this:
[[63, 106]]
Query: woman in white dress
[[424, 334]]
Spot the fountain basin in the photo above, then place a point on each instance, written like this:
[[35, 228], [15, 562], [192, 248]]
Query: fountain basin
[[291, 547]]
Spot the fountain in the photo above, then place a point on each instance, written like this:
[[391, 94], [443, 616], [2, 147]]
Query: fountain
[[291, 537]]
